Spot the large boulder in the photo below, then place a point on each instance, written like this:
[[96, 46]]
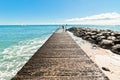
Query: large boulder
[[106, 43], [116, 48]]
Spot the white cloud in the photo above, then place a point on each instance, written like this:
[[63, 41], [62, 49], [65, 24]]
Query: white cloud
[[100, 19]]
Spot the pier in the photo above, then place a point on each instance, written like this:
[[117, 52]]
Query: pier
[[60, 58]]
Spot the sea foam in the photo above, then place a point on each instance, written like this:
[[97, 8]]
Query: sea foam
[[13, 58]]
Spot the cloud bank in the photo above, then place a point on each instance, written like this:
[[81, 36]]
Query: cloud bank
[[100, 19]]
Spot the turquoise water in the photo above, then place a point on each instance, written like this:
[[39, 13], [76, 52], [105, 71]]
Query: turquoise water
[[10, 35], [18, 44]]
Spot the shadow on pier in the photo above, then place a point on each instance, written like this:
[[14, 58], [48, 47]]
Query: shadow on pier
[[60, 58]]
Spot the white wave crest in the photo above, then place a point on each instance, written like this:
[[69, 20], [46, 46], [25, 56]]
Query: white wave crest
[[13, 58]]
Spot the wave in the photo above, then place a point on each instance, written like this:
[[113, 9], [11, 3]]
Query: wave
[[13, 58]]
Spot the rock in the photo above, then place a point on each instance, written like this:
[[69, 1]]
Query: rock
[[92, 40], [76, 34], [94, 46], [79, 34], [106, 33], [105, 69], [99, 34], [111, 38], [118, 37], [117, 41], [100, 38], [89, 33], [74, 29], [94, 37], [107, 39], [117, 34], [116, 48], [86, 37], [106, 43], [112, 34]]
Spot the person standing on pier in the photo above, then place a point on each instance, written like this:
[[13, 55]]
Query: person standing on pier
[[64, 29]]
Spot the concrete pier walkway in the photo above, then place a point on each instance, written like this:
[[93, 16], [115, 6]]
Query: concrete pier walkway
[[60, 58]]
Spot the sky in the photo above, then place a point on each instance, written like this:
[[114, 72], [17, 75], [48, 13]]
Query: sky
[[59, 12]]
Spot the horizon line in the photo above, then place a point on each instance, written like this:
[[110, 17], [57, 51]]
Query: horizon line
[[57, 24]]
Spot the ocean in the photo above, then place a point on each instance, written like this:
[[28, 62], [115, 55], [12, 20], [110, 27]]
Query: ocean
[[19, 42]]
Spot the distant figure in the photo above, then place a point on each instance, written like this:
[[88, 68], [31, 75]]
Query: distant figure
[[63, 28]]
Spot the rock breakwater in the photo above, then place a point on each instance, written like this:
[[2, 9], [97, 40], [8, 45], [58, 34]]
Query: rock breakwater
[[107, 39]]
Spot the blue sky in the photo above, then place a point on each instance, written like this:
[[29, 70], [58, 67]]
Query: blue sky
[[52, 11]]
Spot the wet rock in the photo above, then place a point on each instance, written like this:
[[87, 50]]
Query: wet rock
[[116, 48], [117, 41]]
